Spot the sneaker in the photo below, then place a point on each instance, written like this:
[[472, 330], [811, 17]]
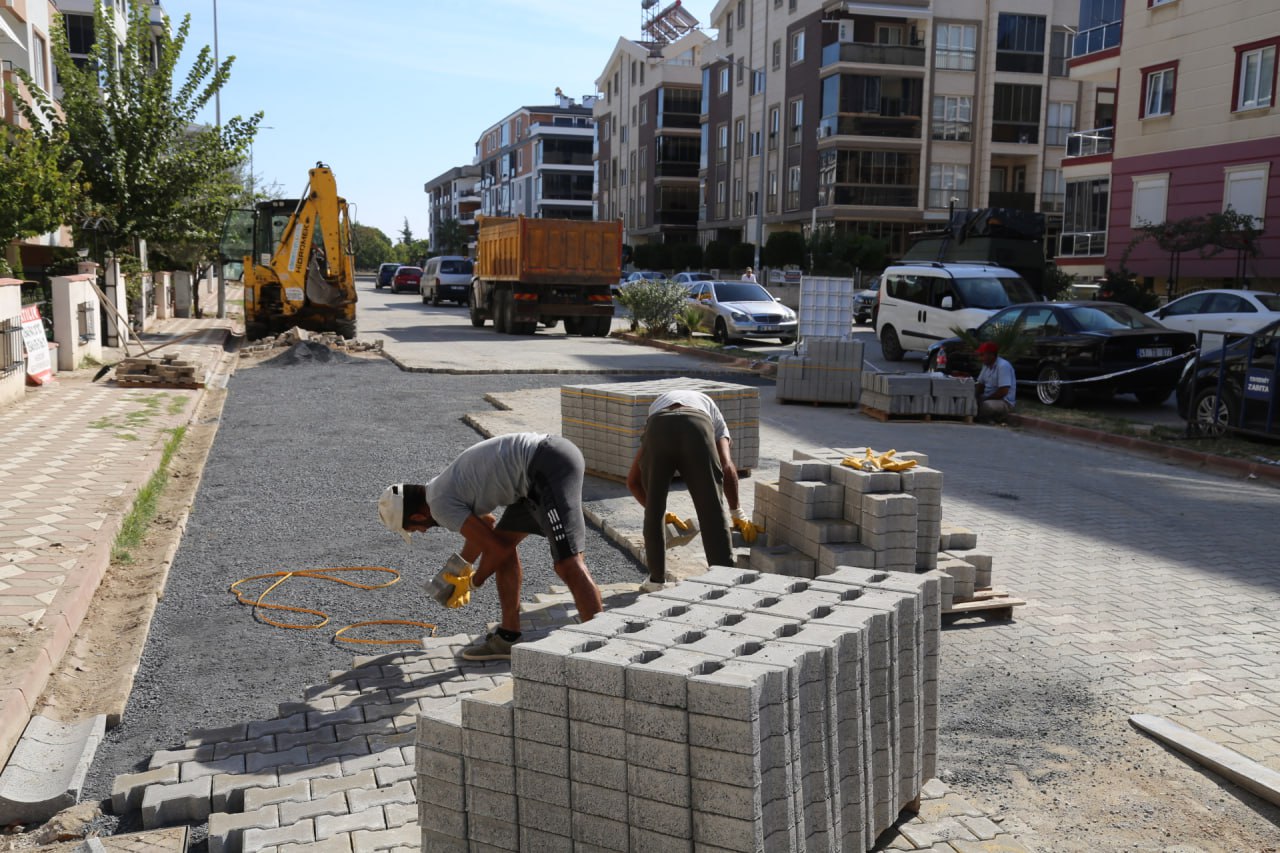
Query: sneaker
[[652, 586], [492, 648]]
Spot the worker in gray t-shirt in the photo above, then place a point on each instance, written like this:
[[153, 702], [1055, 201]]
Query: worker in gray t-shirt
[[538, 479]]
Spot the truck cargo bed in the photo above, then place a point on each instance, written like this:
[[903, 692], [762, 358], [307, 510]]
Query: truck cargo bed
[[549, 251]]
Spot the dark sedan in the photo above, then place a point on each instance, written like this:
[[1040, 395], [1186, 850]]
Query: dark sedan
[[1064, 342], [1234, 387]]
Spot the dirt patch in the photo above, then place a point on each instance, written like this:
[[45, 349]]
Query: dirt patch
[[307, 352]]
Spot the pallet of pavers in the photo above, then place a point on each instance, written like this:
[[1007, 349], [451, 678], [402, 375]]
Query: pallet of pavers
[[606, 422], [967, 589], [917, 396], [166, 372], [828, 371], [735, 711]]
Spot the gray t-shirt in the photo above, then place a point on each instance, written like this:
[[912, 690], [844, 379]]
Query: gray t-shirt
[[693, 400], [997, 376], [486, 476]]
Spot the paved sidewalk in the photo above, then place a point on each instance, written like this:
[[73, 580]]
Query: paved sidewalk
[[74, 454]]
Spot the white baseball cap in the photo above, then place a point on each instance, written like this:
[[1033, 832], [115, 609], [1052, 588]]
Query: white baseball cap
[[391, 510]]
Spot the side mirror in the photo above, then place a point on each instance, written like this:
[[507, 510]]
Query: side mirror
[[777, 299]]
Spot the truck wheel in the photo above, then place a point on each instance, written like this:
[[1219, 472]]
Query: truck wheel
[[573, 325], [525, 327], [890, 345], [346, 328], [502, 312], [600, 326], [477, 316], [551, 322]]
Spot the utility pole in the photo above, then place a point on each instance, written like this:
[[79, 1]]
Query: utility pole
[[217, 117]]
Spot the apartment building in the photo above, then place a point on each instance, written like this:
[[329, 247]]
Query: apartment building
[[537, 161], [1185, 123], [454, 195], [877, 118], [24, 43], [648, 142]]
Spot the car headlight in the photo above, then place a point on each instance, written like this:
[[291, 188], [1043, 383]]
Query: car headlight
[[739, 317]]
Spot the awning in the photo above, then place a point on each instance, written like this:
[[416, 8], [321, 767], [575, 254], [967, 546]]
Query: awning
[[881, 10]]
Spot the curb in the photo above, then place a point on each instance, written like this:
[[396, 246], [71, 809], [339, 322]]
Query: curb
[[556, 371], [1193, 458], [758, 366]]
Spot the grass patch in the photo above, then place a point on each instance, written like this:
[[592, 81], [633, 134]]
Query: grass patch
[[143, 510]]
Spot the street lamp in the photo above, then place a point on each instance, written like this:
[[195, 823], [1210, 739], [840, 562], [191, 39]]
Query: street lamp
[[217, 117]]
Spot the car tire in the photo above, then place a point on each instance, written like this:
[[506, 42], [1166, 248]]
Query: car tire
[[720, 334], [890, 345], [1210, 415], [1152, 396], [435, 297], [786, 341], [424, 296], [1049, 391], [931, 362]]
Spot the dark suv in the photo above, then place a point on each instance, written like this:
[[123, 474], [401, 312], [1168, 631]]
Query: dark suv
[[386, 273], [1234, 386]]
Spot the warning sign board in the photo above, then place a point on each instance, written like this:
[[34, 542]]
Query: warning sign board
[[39, 365]]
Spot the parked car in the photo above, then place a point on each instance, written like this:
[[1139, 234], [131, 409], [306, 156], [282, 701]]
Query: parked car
[[385, 273], [1070, 341], [691, 277], [1219, 311], [1234, 386], [864, 303], [638, 275], [406, 278], [447, 277], [742, 309], [924, 301]]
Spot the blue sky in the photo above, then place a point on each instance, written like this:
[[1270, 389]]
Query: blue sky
[[391, 93]]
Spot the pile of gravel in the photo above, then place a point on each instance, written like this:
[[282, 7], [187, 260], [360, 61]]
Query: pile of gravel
[[308, 352]]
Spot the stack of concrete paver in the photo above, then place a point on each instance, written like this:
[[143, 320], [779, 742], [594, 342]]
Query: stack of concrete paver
[[829, 370], [918, 395], [606, 422], [821, 514], [735, 711]]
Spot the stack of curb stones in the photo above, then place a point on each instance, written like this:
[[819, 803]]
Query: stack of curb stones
[[918, 395], [606, 422], [733, 712], [829, 371]]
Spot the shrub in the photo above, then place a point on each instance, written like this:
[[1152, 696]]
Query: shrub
[[742, 255], [655, 305], [782, 249], [716, 255], [686, 256]]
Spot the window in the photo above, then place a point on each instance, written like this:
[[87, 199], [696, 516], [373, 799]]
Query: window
[[39, 52], [793, 188], [1158, 84], [720, 200], [722, 143], [771, 194], [797, 47], [955, 47], [737, 198], [775, 120], [1060, 121], [953, 117], [643, 174], [1150, 195], [1053, 191], [755, 143], [724, 80], [777, 54], [866, 177], [742, 13], [948, 181], [728, 30], [634, 114], [1059, 50], [79, 33], [1084, 221], [739, 138], [633, 72], [644, 112], [622, 134], [796, 120], [753, 203], [1245, 191], [1016, 114], [757, 81], [1255, 79], [742, 69], [1020, 43], [791, 5]]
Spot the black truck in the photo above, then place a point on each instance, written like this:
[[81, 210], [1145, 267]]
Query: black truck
[[1010, 238]]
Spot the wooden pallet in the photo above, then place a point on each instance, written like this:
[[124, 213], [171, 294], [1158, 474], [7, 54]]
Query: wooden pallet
[[884, 416], [155, 382], [987, 603]]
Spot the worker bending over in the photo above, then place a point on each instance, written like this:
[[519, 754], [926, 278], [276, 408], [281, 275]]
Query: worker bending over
[[538, 478], [685, 433]]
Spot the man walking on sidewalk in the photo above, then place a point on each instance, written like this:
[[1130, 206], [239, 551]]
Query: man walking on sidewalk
[[685, 433], [538, 478]]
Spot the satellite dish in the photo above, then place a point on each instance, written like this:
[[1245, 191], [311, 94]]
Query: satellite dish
[[648, 4]]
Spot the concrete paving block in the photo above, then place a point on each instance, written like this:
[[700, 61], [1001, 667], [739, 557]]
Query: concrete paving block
[[546, 660], [690, 593], [745, 836], [274, 760], [406, 837], [189, 770], [657, 785], [606, 625], [603, 669], [488, 747], [724, 576], [127, 789], [657, 721], [449, 823], [598, 771], [531, 695], [225, 830], [737, 690], [645, 841], [177, 803], [534, 841], [543, 788], [541, 757], [280, 725], [659, 817], [302, 832], [656, 754], [334, 804], [601, 832], [536, 726], [440, 728], [727, 735], [599, 800], [597, 708], [662, 680], [499, 805], [440, 843], [492, 775], [490, 834], [266, 743]]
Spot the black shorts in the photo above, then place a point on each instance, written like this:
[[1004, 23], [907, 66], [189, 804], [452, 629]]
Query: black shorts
[[553, 507]]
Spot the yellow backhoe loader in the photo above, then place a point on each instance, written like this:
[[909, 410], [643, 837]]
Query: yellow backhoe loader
[[299, 265]]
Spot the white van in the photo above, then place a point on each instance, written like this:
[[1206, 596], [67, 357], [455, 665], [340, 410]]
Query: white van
[[446, 277], [922, 302]]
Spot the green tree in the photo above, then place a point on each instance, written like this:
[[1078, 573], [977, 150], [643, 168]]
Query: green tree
[[37, 195], [152, 170], [716, 255], [742, 255], [686, 256], [450, 237], [372, 246], [782, 249], [406, 233]]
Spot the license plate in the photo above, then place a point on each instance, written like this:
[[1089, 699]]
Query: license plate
[[1155, 352], [770, 328]]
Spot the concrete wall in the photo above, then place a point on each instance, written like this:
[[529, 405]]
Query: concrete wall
[[13, 386], [76, 320]]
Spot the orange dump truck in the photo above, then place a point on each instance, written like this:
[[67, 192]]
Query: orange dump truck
[[531, 271]]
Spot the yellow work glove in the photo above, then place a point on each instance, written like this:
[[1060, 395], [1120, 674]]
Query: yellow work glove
[[870, 462], [888, 463], [680, 523], [746, 527], [461, 581]]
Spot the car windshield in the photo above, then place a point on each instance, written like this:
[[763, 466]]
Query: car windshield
[[989, 292], [456, 267], [651, 276], [728, 291], [1270, 301], [1102, 318]]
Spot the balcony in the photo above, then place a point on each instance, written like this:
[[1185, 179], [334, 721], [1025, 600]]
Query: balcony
[[868, 196], [1096, 39], [1016, 132], [1083, 244], [899, 127], [873, 54], [1089, 143], [675, 170], [678, 218], [679, 121], [552, 158], [1016, 201]]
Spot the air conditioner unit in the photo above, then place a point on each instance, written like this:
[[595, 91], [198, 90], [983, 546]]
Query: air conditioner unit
[[845, 31]]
